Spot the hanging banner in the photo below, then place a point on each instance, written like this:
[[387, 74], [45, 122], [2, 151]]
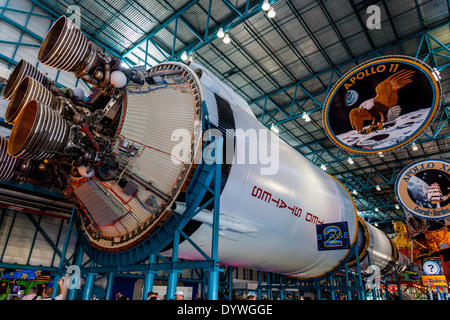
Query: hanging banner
[[382, 104], [423, 188], [22, 274]]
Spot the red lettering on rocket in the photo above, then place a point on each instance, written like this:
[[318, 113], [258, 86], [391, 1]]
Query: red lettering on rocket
[[266, 196]]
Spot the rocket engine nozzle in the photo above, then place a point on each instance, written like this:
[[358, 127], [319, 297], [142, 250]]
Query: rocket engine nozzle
[[22, 70], [8, 164], [66, 48], [38, 133], [28, 89]]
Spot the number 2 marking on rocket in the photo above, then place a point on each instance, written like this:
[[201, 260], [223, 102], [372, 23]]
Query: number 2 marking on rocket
[[335, 234]]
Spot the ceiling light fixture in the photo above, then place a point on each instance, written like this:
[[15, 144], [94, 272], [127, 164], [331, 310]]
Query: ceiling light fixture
[[220, 33], [436, 74], [414, 147], [266, 6], [350, 160], [226, 38], [378, 188], [184, 56], [306, 117], [271, 13], [323, 167], [274, 129]]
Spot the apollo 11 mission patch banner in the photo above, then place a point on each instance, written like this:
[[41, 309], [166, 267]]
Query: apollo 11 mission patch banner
[[381, 105]]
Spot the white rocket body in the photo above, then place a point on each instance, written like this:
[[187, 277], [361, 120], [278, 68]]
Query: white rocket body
[[271, 198], [268, 221]]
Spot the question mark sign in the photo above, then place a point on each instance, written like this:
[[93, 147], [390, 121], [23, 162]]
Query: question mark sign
[[431, 268]]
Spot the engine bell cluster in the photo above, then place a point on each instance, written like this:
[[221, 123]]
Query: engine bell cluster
[[85, 147]]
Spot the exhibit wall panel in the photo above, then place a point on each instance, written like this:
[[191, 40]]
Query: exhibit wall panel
[[22, 243]]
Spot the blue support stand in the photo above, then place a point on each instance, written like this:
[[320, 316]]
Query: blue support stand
[[149, 279], [109, 286], [230, 282], [87, 294], [341, 283], [55, 287], [213, 276], [62, 261], [173, 273], [202, 179], [259, 285]]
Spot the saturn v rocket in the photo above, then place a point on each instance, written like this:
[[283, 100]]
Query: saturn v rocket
[[126, 154]]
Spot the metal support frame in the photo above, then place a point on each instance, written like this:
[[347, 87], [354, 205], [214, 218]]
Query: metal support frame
[[193, 198], [207, 178], [173, 272], [291, 111], [149, 278], [344, 282], [213, 268], [39, 230], [94, 272], [205, 173], [236, 19], [87, 294]]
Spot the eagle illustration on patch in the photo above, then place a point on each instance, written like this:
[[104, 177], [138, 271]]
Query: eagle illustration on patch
[[382, 104]]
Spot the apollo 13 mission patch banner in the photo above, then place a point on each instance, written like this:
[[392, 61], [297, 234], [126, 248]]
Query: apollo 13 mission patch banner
[[381, 105], [423, 188]]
